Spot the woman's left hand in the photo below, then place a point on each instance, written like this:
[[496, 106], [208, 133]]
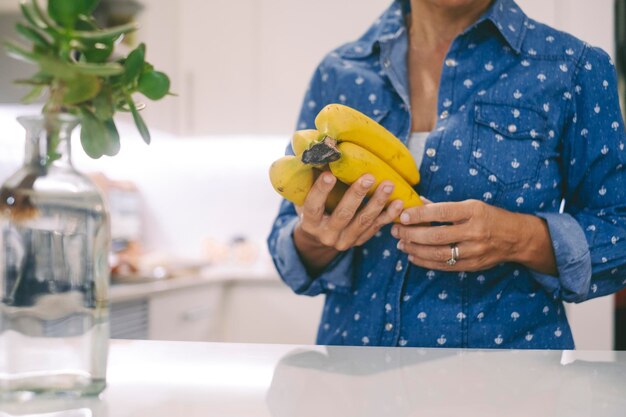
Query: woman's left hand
[[476, 236]]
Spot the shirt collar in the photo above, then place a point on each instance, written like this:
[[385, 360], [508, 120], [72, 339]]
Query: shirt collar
[[390, 25], [505, 15], [510, 21]]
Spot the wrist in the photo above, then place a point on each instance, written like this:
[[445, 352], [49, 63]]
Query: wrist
[[312, 252], [303, 239], [534, 246]]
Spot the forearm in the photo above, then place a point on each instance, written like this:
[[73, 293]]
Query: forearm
[[534, 249], [313, 254]]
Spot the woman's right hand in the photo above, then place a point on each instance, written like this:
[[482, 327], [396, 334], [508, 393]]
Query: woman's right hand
[[320, 236]]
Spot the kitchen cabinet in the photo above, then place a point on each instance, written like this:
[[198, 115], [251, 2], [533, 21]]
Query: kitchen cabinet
[[185, 309], [229, 306], [268, 312], [188, 314], [129, 319], [242, 67]]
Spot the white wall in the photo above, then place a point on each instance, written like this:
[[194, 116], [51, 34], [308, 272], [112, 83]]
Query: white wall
[[243, 66]]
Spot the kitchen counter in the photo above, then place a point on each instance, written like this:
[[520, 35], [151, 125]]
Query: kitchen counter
[[213, 379], [221, 274]]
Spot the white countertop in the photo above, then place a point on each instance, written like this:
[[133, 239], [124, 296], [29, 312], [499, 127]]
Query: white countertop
[[227, 274], [213, 379]]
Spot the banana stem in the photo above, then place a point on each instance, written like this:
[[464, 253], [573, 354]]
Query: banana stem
[[322, 152]]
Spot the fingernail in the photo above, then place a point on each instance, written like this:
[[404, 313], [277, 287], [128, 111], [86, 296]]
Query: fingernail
[[397, 205], [400, 245], [394, 231], [388, 189], [367, 182], [328, 179], [405, 218], [411, 258]]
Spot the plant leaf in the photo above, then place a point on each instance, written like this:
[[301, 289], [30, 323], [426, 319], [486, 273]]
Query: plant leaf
[[66, 12], [32, 35], [17, 52], [107, 69], [56, 68], [86, 23], [29, 14], [98, 51], [110, 34], [35, 94], [113, 138], [81, 88], [103, 104], [139, 122], [154, 85], [43, 16], [134, 64], [37, 79], [98, 137]]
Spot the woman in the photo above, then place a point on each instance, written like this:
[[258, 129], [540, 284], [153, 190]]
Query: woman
[[507, 119]]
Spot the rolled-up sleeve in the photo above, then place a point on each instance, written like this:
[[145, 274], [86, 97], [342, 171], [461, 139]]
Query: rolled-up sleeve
[[337, 276], [589, 237]]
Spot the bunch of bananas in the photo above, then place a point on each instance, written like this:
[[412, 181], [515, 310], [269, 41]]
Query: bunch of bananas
[[350, 145]]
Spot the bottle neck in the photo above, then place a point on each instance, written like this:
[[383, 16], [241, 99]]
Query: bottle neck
[[48, 140]]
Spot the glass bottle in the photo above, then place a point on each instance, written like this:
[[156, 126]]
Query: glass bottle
[[54, 273]]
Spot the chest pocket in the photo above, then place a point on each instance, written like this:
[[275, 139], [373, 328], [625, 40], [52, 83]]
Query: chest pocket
[[507, 142]]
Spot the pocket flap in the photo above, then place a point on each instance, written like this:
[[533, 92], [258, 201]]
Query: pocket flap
[[511, 121]]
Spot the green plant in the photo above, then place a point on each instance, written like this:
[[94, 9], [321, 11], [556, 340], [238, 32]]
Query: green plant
[[79, 74]]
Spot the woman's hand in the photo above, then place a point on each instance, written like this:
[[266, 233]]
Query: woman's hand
[[484, 236], [320, 236]]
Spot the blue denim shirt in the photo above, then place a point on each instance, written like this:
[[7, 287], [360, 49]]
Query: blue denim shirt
[[528, 117]]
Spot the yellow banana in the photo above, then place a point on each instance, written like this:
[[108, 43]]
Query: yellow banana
[[303, 139], [356, 161], [345, 124], [292, 178]]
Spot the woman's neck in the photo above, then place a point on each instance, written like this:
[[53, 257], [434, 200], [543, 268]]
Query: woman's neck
[[433, 24]]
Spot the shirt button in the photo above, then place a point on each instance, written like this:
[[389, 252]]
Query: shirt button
[[444, 114], [389, 327], [387, 63], [450, 62], [512, 128], [431, 152]]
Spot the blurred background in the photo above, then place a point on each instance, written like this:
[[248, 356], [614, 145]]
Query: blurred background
[[190, 213]]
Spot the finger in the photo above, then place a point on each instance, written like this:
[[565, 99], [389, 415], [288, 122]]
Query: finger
[[439, 266], [343, 214], [425, 200], [438, 212], [440, 253], [434, 258], [367, 216], [374, 207], [434, 235], [313, 208], [392, 212]]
